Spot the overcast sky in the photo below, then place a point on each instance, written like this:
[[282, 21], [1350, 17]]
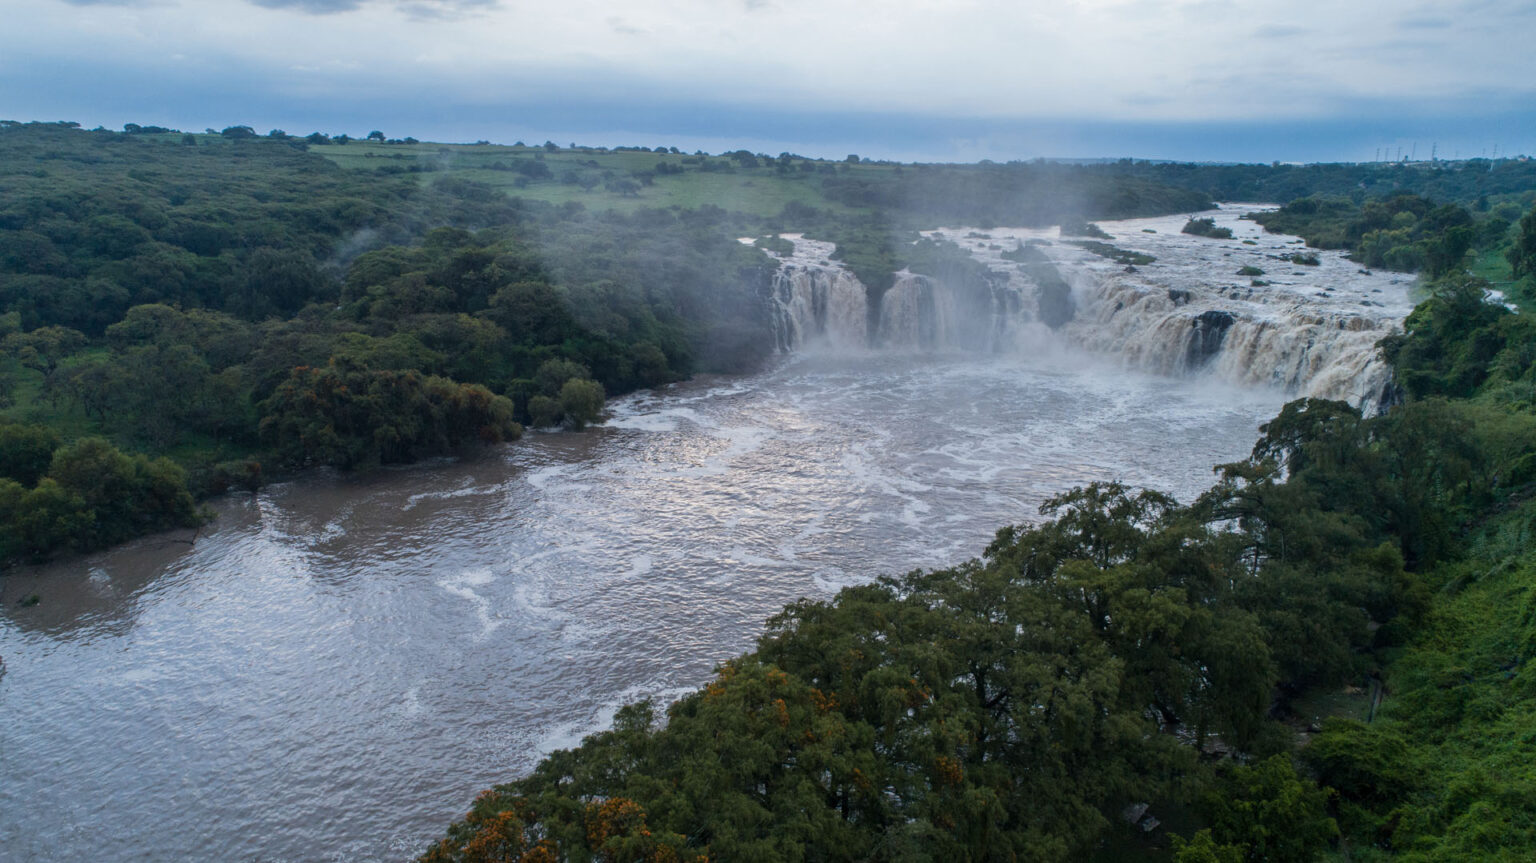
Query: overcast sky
[[908, 79]]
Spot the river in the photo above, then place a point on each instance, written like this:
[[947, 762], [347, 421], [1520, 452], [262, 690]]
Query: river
[[338, 664]]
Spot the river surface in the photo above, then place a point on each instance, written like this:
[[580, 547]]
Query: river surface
[[338, 665]]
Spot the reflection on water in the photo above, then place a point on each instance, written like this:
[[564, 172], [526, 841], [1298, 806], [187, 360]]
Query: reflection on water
[[338, 664]]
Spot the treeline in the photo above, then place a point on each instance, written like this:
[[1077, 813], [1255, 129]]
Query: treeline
[[1405, 232], [252, 309], [1015, 194], [83, 496], [1128, 651], [93, 223], [1472, 182]]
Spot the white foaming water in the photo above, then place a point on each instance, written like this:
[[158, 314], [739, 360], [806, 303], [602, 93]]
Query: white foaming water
[[463, 586], [918, 312], [1304, 330], [815, 301]]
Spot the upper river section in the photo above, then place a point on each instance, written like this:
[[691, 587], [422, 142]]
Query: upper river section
[[338, 664]]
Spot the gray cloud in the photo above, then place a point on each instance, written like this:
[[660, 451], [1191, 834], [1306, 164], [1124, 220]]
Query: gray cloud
[[443, 10], [313, 7], [419, 9], [1279, 31], [1089, 59], [619, 25], [1425, 23]]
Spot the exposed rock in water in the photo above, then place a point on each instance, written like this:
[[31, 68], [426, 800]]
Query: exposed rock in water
[[1210, 330], [1056, 306]]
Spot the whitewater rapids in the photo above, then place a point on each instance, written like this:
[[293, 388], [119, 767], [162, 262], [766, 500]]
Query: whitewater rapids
[[1304, 330]]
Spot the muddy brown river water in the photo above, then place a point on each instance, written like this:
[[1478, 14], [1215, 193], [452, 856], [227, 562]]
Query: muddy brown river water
[[337, 665]]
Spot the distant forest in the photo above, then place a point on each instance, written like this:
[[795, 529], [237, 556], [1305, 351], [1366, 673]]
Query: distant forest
[[1325, 656]]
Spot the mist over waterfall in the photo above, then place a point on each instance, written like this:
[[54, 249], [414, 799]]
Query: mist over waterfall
[[1306, 329], [818, 304]]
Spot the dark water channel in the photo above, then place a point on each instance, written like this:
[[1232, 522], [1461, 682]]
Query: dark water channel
[[337, 665]]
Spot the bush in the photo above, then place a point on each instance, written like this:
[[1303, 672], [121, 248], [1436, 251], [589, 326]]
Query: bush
[[581, 401], [93, 496], [351, 417], [1207, 228], [543, 411]]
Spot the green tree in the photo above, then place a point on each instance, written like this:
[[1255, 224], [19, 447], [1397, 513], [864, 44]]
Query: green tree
[[352, 417], [1203, 849], [26, 451], [1271, 813], [543, 411], [43, 349], [552, 375], [42, 520], [125, 496], [581, 401], [1522, 252]]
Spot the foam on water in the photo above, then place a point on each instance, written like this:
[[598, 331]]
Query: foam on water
[[464, 491], [463, 586]]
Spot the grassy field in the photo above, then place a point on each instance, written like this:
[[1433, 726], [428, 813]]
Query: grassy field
[[759, 191], [1493, 266]]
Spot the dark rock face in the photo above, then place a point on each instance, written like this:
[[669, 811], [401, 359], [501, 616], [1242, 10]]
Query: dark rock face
[[1210, 330], [1179, 297], [1056, 306]]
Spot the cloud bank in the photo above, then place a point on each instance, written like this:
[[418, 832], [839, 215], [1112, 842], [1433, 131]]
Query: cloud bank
[[589, 67]]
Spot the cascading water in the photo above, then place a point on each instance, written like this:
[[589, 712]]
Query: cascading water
[[814, 301], [817, 304], [927, 313], [1309, 330], [917, 312]]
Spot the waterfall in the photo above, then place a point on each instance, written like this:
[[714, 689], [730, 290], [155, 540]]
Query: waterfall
[[917, 312], [927, 313], [1309, 331], [818, 304], [1307, 351], [815, 303]]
